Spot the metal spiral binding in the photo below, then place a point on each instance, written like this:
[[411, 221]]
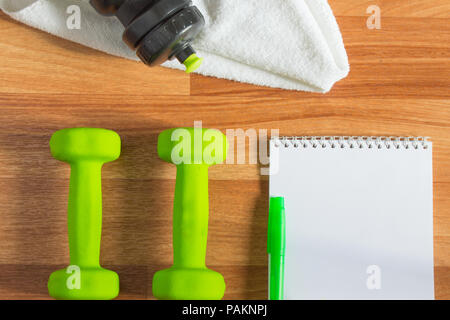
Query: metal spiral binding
[[353, 142]]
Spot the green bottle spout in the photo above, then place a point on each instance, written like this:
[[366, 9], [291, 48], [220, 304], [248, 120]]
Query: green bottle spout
[[193, 63]]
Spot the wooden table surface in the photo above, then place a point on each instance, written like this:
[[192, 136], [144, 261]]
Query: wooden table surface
[[398, 86]]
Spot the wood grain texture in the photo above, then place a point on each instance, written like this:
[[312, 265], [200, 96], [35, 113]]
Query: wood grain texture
[[398, 85], [35, 62], [394, 8]]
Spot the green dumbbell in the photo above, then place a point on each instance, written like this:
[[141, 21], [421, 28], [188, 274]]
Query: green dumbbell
[[189, 278], [86, 150]]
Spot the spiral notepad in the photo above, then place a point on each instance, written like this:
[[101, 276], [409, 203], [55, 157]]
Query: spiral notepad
[[359, 215]]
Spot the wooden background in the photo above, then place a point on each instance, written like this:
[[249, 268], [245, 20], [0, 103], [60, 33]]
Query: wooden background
[[399, 85]]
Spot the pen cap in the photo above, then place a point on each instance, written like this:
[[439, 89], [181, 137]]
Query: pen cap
[[276, 241], [277, 202]]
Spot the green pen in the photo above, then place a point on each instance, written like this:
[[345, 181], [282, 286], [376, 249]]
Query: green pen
[[276, 247]]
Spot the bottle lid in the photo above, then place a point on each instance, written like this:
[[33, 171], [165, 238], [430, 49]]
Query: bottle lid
[[192, 63]]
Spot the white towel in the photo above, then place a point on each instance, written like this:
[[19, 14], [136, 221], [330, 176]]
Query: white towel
[[289, 44]]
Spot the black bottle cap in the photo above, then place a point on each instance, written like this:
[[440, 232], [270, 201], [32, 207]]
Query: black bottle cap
[[148, 20], [157, 29], [172, 38]]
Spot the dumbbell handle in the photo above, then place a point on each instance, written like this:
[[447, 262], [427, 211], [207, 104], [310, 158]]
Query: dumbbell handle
[[85, 213], [190, 216]]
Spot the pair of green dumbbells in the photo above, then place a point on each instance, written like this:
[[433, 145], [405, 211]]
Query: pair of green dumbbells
[[86, 150]]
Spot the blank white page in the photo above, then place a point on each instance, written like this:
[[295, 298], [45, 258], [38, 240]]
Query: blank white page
[[359, 220]]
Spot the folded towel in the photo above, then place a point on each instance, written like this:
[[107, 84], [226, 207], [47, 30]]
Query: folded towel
[[289, 44]]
